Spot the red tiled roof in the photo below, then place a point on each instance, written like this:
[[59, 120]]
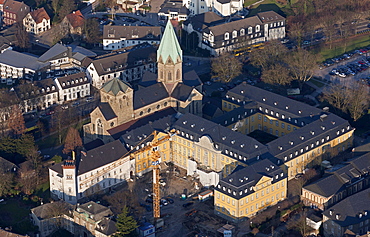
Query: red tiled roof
[[2, 1], [39, 14], [76, 19]]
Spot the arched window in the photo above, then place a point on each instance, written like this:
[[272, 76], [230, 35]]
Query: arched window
[[226, 36], [242, 32], [235, 34], [169, 76], [99, 126], [258, 28], [249, 30], [178, 74]]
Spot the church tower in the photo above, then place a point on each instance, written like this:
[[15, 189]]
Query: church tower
[[169, 59]]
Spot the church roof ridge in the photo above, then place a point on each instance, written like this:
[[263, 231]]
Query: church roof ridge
[[169, 46], [115, 86]]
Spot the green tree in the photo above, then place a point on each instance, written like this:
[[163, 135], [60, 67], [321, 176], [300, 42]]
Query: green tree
[[126, 224], [226, 67]]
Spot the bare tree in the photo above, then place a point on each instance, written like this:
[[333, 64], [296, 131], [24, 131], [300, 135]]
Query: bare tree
[[73, 140], [276, 74], [226, 67], [27, 177], [297, 32], [91, 30], [6, 180], [55, 212], [301, 65], [272, 53], [336, 95], [23, 39], [298, 223], [16, 121]]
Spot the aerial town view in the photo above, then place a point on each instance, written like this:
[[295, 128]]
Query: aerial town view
[[185, 118]]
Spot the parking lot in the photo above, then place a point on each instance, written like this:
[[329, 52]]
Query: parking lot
[[347, 67]]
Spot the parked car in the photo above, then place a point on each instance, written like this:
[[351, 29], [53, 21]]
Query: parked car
[[188, 204]]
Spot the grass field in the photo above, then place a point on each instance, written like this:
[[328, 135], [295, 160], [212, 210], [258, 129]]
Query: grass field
[[355, 42]]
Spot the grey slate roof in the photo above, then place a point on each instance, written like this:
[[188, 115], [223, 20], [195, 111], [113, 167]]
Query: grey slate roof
[[107, 111], [21, 60], [123, 59], [54, 52], [115, 86], [201, 21], [132, 32], [100, 156], [107, 227], [241, 181], [82, 50], [181, 92], [349, 209], [231, 143], [148, 79], [73, 80], [269, 16], [173, 7], [96, 211], [338, 179], [149, 95], [43, 211], [191, 78]]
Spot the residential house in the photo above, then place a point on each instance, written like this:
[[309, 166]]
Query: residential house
[[93, 171], [15, 65], [72, 87], [117, 37], [37, 21], [2, 11], [249, 190], [14, 12], [52, 216], [173, 10], [346, 180], [73, 23], [127, 64], [220, 7], [70, 56], [218, 37], [351, 215], [94, 219]]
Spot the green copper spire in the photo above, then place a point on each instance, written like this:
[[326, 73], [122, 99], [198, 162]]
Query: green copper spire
[[169, 46]]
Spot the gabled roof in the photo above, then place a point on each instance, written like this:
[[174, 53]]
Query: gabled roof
[[53, 52], [21, 60], [234, 25], [107, 227], [148, 79], [169, 46], [107, 111], [241, 181], [76, 19], [95, 210], [43, 212], [101, 156], [201, 21], [191, 78], [181, 92], [39, 14], [149, 95], [19, 8], [351, 210], [132, 32], [73, 80], [115, 86], [269, 16], [336, 180]]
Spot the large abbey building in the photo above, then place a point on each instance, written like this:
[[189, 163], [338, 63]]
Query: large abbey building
[[168, 91]]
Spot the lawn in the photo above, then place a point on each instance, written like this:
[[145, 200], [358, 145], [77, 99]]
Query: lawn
[[15, 213], [355, 42], [317, 82]]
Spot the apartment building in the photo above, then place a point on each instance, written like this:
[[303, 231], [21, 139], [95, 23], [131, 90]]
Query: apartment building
[[128, 65], [338, 183], [37, 21], [14, 12], [97, 170], [223, 36], [249, 190], [117, 37], [15, 65], [350, 216]]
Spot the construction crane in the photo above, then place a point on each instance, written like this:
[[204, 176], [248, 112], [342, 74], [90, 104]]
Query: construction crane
[[155, 156]]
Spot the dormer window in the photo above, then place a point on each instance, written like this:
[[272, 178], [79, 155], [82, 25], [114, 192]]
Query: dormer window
[[235, 34], [242, 32], [258, 28], [226, 37], [249, 30]]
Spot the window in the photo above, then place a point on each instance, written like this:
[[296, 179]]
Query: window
[[258, 28], [226, 37], [282, 125], [249, 30], [288, 127], [235, 34], [242, 32]]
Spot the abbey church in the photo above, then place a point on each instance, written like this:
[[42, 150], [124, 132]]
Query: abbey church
[[167, 92]]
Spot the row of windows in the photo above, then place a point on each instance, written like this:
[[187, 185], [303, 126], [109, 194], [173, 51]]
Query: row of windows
[[257, 28]]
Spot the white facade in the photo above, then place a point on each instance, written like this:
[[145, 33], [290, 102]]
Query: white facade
[[72, 87], [70, 188], [36, 28], [222, 8], [112, 44]]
